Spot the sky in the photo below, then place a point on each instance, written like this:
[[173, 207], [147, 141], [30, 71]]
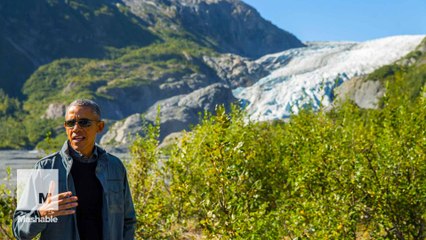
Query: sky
[[344, 20]]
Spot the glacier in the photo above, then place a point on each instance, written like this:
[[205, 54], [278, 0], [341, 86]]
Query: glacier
[[305, 77]]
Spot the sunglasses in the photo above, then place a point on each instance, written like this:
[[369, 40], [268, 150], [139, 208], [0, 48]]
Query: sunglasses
[[84, 122]]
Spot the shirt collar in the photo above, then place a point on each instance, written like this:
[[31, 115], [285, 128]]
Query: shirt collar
[[81, 158]]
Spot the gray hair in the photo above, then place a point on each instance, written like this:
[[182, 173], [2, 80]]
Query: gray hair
[[86, 103]]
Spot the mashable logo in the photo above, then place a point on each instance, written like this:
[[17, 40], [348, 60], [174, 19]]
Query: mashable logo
[[42, 198], [34, 186]]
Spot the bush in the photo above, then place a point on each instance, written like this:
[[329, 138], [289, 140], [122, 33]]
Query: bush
[[7, 207], [345, 174]]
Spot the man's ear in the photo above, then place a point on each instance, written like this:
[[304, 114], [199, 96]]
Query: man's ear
[[101, 126]]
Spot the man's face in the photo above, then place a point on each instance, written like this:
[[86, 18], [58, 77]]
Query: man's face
[[82, 138]]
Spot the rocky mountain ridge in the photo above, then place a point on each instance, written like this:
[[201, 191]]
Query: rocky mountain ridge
[[36, 32], [228, 26]]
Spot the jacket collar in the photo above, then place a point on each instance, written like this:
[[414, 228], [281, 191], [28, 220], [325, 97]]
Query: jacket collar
[[68, 159]]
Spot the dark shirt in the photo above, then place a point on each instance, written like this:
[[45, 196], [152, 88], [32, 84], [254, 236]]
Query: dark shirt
[[89, 192]]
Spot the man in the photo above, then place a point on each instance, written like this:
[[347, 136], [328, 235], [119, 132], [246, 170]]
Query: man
[[94, 200]]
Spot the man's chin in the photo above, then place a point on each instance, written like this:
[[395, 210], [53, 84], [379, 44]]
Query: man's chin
[[78, 146]]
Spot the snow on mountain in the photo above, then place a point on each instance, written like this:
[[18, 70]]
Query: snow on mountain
[[307, 76]]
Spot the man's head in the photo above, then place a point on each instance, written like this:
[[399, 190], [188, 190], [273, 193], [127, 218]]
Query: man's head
[[82, 123]]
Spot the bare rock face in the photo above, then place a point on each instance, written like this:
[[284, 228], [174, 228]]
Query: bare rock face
[[138, 99], [235, 70], [55, 110], [123, 132], [176, 114], [179, 112], [235, 27], [230, 26], [365, 93]]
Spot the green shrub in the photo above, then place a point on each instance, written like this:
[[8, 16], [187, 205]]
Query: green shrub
[[345, 174], [7, 208]]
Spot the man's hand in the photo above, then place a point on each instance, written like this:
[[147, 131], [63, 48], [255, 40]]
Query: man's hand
[[58, 205]]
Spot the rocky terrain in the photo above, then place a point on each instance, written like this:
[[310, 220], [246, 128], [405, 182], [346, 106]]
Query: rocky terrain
[[176, 114], [36, 32], [366, 94], [229, 26]]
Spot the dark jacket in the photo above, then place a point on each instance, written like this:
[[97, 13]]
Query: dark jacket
[[118, 213]]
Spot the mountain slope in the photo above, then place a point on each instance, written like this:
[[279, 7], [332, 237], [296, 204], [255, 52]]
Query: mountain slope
[[122, 86], [310, 74], [36, 32], [126, 54], [228, 26]]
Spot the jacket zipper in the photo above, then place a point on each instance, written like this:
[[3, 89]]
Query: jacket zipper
[[68, 189]]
